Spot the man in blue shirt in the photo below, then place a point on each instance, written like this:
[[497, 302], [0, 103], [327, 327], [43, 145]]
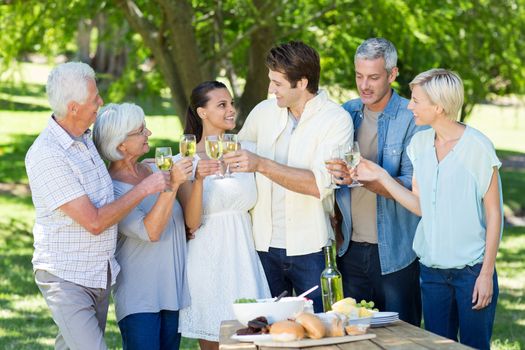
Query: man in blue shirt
[[376, 257]]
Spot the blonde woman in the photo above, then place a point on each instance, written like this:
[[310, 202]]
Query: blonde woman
[[457, 192]]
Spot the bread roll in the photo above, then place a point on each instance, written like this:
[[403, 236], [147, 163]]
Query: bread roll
[[334, 324], [286, 331], [313, 325]]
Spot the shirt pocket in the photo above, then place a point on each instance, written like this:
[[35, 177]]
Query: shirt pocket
[[392, 158]]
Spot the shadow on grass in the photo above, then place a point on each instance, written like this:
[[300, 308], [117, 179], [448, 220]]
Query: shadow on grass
[[12, 155], [509, 330], [31, 90], [19, 106], [513, 183], [27, 330], [15, 262]]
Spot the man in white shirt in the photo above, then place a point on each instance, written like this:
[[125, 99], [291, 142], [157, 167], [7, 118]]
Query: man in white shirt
[[76, 215], [291, 221]]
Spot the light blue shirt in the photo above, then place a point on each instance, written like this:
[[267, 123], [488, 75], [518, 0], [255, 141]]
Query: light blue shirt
[[452, 230]]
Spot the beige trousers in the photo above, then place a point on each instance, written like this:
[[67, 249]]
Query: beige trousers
[[79, 312]]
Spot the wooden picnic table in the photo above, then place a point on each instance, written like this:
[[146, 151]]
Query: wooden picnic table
[[398, 335]]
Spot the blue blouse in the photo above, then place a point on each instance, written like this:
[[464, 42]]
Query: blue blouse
[[452, 230]]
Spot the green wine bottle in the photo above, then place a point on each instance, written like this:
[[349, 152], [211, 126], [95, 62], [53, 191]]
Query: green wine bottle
[[331, 279]]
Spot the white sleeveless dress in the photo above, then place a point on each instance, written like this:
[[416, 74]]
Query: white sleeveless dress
[[223, 264]]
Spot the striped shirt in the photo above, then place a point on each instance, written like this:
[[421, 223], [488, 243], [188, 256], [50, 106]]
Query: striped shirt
[[61, 169]]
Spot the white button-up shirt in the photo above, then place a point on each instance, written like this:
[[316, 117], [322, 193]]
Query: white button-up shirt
[[61, 169], [323, 124]]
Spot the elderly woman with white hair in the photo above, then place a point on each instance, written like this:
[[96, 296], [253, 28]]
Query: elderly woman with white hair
[[457, 192], [151, 246], [76, 220]]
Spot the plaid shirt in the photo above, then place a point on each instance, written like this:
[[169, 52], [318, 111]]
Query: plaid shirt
[[61, 169]]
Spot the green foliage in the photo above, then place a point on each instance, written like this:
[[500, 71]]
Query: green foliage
[[481, 40]]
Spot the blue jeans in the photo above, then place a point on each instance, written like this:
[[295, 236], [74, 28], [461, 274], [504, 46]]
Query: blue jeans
[[447, 305], [150, 330], [397, 291], [299, 272]]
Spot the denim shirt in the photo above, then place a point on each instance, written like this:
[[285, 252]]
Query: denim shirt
[[396, 225]]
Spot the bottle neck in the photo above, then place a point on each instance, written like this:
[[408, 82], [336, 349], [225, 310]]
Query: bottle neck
[[329, 256]]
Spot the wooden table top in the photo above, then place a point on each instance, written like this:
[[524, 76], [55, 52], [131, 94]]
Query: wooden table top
[[399, 335]]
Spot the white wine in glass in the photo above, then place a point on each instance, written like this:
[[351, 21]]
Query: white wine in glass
[[188, 145], [164, 160], [352, 158], [229, 144], [332, 153], [213, 146]]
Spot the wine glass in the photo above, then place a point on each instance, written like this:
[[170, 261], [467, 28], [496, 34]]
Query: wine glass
[[188, 145], [229, 144], [352, 158], [164, 160], [213, 146], [330, 154]]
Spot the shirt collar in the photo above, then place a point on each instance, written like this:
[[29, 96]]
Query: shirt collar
[[61, 135], [391, 107]]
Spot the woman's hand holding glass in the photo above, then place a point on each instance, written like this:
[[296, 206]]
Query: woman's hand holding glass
[[181, 172], [367, 171], [207, 167]]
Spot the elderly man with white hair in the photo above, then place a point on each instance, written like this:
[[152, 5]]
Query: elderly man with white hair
[[76, 215]]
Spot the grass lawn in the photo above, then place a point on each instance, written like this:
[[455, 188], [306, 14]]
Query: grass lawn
[[25, 322]]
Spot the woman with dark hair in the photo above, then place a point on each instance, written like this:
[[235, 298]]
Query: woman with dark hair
[[222, 262]]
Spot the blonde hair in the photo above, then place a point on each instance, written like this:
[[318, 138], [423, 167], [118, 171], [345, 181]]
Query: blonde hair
[[444, 88]]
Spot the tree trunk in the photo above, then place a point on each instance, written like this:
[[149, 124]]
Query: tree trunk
[[100, 60], [176, 55], [184, 51], [83, 40], [256, 88]]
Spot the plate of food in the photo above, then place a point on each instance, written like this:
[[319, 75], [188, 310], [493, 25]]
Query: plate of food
[[250, 338]]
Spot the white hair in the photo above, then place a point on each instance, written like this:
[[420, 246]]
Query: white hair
[[114, 123], [444, 88], [375, 48], [67, 82]]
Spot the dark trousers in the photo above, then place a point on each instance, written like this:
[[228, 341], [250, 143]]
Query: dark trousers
[[151, 330], [397, 291], [447, 305], [299, 273]]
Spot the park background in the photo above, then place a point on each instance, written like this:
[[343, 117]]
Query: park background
[[154, 52]]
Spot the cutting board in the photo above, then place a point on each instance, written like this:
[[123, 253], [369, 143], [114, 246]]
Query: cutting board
[[314, 342]]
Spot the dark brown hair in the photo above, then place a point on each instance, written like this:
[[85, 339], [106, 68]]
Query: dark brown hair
[[296, 60], [199, 98]]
